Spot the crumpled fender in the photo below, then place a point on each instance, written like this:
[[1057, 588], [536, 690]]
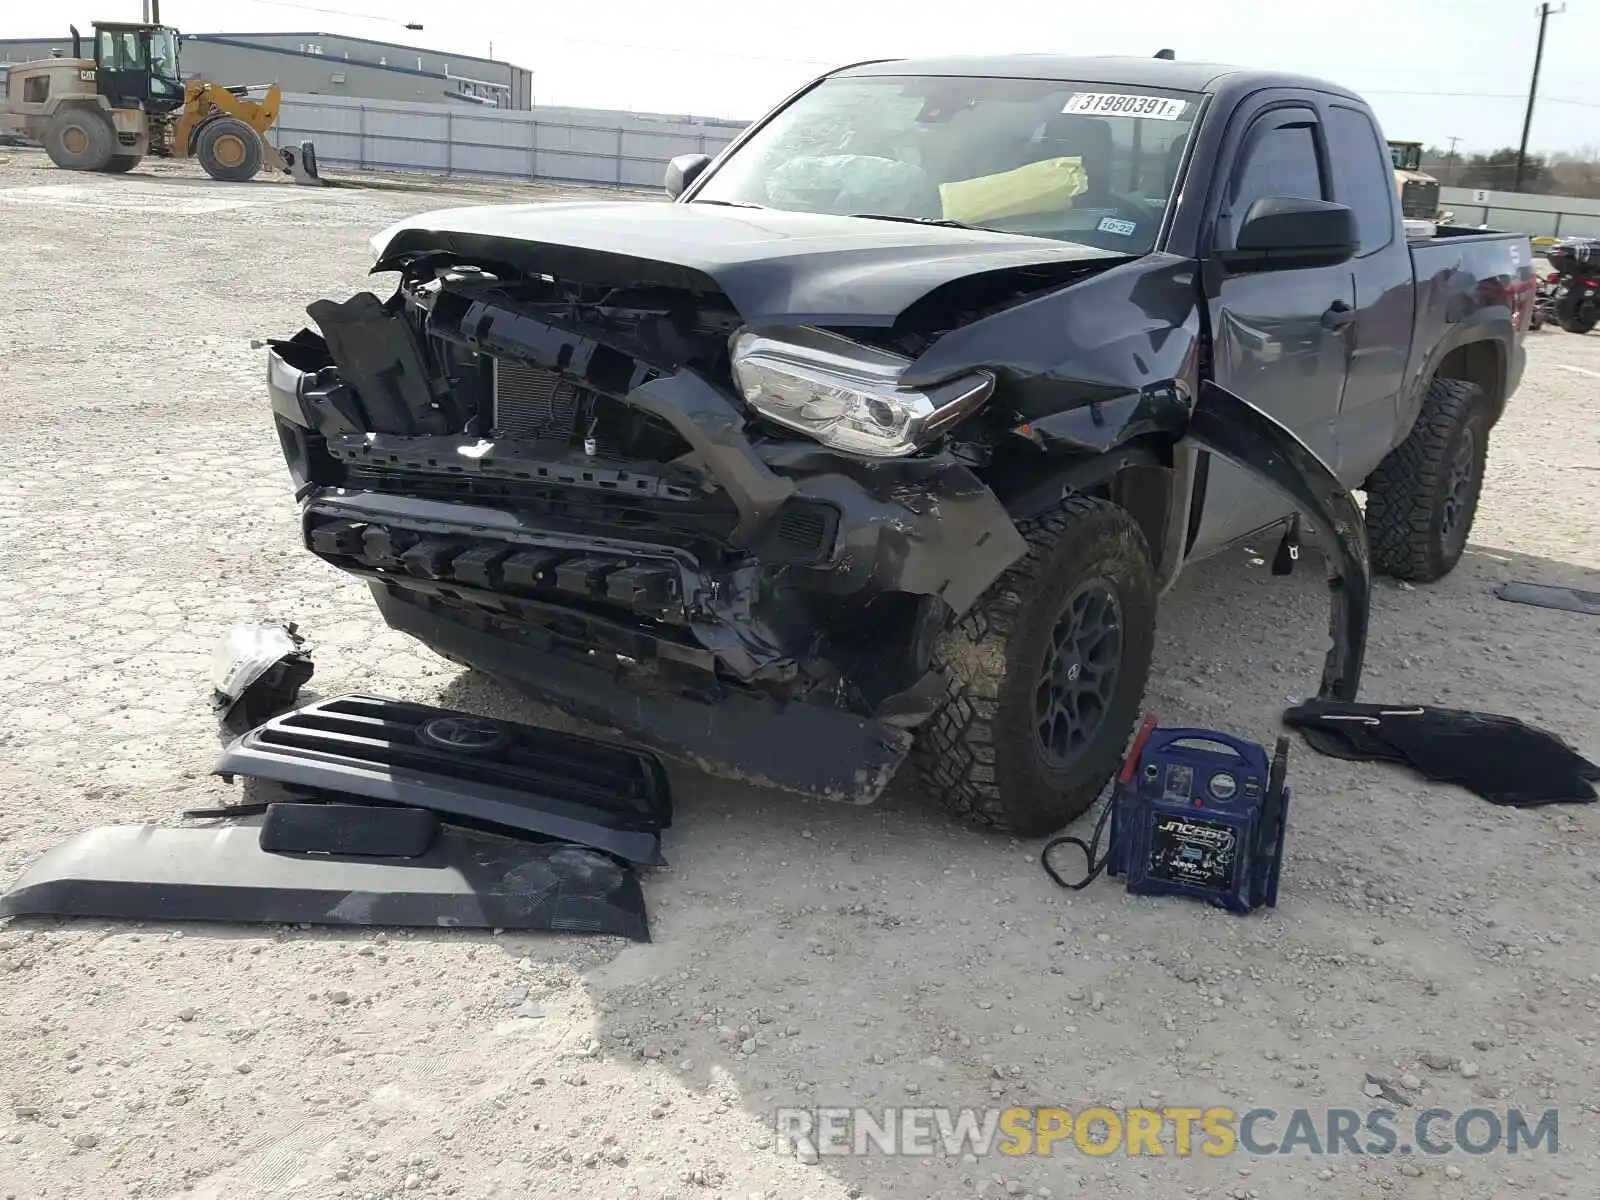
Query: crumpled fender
[[1229, 425]]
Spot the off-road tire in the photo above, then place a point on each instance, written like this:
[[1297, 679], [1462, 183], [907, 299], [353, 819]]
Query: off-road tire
[[1409, 497], [121, 164], [80, 139], [1577, 324], [979, 753], [228, 150]]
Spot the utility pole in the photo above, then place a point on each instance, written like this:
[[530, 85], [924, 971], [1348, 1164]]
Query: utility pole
[[1545, 10]]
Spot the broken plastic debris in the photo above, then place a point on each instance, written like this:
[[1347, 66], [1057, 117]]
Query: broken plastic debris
[[257, 671]]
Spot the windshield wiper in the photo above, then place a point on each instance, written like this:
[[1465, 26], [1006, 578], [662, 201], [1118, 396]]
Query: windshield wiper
[[730, 203], [947, 222]]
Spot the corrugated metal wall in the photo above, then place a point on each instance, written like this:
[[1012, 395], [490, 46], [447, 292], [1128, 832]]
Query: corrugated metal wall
[[570, 144], [1523, 212]]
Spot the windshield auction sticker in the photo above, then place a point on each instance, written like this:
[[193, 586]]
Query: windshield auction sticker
[[1120, 104]]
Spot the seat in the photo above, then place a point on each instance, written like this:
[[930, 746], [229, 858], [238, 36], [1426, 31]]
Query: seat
[[1087, 139]]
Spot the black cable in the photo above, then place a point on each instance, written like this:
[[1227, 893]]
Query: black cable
[[1092, 868]]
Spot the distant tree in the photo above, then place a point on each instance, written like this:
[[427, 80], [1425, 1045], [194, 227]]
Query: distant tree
[[1576, 172], [1497, 171]]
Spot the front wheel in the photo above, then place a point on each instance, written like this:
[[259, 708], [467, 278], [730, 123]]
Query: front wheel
[[1045, 675], [229, 150]]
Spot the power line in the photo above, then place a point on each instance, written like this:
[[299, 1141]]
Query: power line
[[609, 44]]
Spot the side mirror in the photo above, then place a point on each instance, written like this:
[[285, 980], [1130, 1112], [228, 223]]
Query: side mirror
[[1283, 232], [684, 170]]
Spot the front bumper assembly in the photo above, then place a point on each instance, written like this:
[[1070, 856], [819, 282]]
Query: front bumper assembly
[[710, 657], [718, 665]]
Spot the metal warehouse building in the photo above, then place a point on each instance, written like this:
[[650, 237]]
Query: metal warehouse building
[[329, 64]]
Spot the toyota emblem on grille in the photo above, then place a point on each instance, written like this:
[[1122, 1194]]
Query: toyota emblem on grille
[[470, 735]]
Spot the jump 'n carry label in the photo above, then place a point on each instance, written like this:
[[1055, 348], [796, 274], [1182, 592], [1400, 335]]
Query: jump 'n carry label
[[1120, 104]]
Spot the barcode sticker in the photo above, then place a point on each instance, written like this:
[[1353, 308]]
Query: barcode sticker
[[1120, 104]]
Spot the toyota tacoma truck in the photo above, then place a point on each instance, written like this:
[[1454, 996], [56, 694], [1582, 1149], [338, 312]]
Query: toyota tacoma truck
[[880, 437]]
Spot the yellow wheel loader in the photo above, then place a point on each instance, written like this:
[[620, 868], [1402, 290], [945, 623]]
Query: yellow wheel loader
[[1419, 191], [107, 112]]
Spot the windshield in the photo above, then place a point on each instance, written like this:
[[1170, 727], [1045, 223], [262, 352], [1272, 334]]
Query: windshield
[[164, 53], [1080, 162], [166, 83]]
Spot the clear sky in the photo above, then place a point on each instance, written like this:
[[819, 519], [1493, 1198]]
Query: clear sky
[[1433, 69]]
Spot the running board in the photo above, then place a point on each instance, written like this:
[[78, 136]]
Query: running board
[[507, 776]]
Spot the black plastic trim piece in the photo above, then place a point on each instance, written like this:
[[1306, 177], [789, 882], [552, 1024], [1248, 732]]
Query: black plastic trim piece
[[816, 750], [1229, 425]]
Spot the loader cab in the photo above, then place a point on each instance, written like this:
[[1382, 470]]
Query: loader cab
[[1406, 156], [136, 66]]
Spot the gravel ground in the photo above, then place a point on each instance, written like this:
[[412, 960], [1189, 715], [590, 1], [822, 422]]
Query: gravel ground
[[803, 954]]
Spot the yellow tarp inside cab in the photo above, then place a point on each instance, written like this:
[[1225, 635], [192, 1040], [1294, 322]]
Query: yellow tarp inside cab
[[1049, 185]]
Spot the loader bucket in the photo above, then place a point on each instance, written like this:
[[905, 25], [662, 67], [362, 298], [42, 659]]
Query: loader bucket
[[301, 165]]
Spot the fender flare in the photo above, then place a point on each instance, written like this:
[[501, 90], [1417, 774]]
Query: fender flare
[[1230, 426]]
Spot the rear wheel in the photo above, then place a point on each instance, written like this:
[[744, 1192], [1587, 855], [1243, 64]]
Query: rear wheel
[[80, 139], [123, 163], [1422, 499], [1045, 675], [229, 150], [1575, 317]]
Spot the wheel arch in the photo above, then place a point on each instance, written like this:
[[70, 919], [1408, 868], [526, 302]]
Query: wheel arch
[[1482, 363], [1145, 476]]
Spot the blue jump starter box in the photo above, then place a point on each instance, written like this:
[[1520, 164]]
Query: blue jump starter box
[[1199, 813]]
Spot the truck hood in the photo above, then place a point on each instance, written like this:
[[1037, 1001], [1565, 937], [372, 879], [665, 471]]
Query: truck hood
[[775, 267]]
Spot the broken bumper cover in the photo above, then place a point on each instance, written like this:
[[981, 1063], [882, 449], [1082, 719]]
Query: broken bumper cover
[[154, 873]]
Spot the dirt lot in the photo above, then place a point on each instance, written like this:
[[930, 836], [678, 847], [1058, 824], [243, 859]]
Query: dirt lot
[[804, 954]]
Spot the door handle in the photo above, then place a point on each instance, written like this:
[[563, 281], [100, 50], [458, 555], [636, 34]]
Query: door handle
[[1338, 315]]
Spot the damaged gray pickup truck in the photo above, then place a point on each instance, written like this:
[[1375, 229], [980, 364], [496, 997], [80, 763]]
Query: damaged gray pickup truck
[[884, 437]]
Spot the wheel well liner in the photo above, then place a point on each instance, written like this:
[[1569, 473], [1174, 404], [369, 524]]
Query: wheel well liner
[[1482, 363], [1137, 477]]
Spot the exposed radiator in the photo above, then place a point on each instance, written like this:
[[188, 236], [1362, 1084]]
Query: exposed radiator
[[530, 402]]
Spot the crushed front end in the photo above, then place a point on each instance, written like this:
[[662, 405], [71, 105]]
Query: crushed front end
[[564, 484]]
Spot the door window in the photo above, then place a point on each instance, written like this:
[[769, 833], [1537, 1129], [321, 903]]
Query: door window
[[121, 51], [1362, 175], [1280, 162]]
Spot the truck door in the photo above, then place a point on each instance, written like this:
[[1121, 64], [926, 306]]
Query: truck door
[[1280, 338], [1386, 295], [122, 72]]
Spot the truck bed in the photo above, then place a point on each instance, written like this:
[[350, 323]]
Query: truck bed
[[1474, 295]]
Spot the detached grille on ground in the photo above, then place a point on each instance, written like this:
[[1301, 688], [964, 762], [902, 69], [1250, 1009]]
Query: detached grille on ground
[[530, 402], [466, 768]]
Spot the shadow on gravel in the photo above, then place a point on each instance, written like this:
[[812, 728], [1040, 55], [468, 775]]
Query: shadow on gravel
[[811, 955]]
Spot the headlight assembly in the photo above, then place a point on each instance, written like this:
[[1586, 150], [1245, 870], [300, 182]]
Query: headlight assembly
[[847, 395]]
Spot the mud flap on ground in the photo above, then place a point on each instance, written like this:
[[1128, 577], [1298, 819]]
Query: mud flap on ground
[[1230, 426]]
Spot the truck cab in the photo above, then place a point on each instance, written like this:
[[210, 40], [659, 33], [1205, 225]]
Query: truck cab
[[136, 66]]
